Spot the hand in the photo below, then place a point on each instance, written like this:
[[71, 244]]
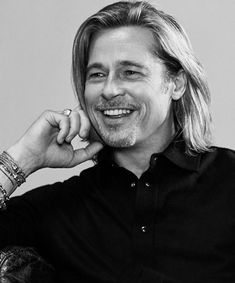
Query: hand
[[47, 143]]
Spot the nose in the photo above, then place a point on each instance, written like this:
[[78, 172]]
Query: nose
[[111, 88]]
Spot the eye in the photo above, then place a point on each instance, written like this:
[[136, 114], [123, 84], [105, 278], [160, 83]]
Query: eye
[[95, 76], [130, 72]]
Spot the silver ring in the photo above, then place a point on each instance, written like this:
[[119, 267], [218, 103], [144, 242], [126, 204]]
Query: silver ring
[[67, 112]]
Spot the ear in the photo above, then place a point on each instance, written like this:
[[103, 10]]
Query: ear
[[179, 85]]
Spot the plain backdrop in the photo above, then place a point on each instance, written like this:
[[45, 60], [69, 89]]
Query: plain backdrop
[[36, 39]]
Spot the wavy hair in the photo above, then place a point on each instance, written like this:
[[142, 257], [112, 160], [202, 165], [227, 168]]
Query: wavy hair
[[192, 117]]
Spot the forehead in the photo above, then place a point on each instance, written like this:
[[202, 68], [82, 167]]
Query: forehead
[[122, 43]]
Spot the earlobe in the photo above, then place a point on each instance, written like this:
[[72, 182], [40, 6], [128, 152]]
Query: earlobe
[[180, 82]]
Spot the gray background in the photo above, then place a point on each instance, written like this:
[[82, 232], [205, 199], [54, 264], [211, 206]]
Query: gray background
[[35, 61]]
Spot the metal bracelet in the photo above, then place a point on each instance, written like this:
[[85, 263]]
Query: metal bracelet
[[12, 168], [17, 178], [3, 198], [7, 175]]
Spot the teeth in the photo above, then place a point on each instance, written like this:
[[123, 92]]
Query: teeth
[[115, 112]]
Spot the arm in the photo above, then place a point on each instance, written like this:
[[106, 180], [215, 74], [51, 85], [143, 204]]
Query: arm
[[47, 143]]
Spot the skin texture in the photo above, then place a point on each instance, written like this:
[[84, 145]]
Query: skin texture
[[123, 73]]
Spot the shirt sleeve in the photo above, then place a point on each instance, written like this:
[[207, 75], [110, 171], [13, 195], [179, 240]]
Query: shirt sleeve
[[16, 223], [20, 222]]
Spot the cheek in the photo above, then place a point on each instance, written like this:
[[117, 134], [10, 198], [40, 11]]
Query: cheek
[[91, 91], [158, 110], [89, 97], [90, 102]]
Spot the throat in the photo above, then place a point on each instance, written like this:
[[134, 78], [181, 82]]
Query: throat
[[136, 161], [137, 158]]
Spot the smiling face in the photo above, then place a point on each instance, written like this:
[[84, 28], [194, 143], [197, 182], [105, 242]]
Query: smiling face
[[127, 97]]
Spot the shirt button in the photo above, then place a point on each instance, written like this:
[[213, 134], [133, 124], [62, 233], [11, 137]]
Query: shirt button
[[143, 229], [147, 184], [133, 184]]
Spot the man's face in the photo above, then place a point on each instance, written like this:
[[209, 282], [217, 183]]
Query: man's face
[[127, 97]]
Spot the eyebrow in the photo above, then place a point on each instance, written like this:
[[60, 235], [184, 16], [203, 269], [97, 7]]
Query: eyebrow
[[124, 63], [127, 63], [94, 66]]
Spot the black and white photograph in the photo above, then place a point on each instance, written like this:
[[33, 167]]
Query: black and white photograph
[[117, 144]]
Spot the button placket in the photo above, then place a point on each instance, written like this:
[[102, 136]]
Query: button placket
[[133, 184], [144, 216]]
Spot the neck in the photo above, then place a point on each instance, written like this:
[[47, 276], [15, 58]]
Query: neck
[[136, 158]]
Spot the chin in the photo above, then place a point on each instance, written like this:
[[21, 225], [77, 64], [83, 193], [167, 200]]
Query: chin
[[119, 141]]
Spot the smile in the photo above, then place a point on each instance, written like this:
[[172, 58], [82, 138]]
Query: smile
[[116, 112]]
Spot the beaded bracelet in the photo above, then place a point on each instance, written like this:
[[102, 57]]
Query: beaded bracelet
[[3, 198]]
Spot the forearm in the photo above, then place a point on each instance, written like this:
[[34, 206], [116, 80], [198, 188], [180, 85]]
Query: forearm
[[26, 161]]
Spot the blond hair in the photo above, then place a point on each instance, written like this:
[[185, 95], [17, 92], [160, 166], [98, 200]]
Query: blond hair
[[191, 112]]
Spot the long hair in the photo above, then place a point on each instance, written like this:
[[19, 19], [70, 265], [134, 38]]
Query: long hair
[[191, 112]]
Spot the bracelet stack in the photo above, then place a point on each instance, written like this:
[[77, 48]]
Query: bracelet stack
[[14, 173]]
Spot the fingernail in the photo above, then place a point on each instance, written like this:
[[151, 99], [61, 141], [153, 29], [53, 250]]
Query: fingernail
[[59, 141], [83, 134]]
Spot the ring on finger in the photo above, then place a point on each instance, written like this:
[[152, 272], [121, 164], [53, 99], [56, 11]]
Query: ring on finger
[[67, 112]]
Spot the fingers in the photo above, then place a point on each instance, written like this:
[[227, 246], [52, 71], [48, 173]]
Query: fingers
[[75, 122], [85, 125], [64, 126], [79, 124], [87, 153], [58, 121]]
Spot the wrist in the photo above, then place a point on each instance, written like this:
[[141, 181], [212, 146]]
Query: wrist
[[24, 160]]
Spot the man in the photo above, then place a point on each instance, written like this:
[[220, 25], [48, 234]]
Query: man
[[158, 206]]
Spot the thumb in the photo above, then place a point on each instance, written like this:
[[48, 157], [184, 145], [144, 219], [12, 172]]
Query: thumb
[[84, 154]]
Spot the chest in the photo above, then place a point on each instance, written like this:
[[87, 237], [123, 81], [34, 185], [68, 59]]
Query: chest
[[181, 228]]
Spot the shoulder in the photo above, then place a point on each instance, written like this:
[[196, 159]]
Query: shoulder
[[220, 154], [223, 151], [219, 161]]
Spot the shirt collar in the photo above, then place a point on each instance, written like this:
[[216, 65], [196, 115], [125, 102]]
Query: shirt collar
[[175, 152]]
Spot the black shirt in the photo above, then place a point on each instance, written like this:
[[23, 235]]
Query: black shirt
[[176, 223]]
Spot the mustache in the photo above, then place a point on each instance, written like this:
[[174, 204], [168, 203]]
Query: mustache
[[116, 103]]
